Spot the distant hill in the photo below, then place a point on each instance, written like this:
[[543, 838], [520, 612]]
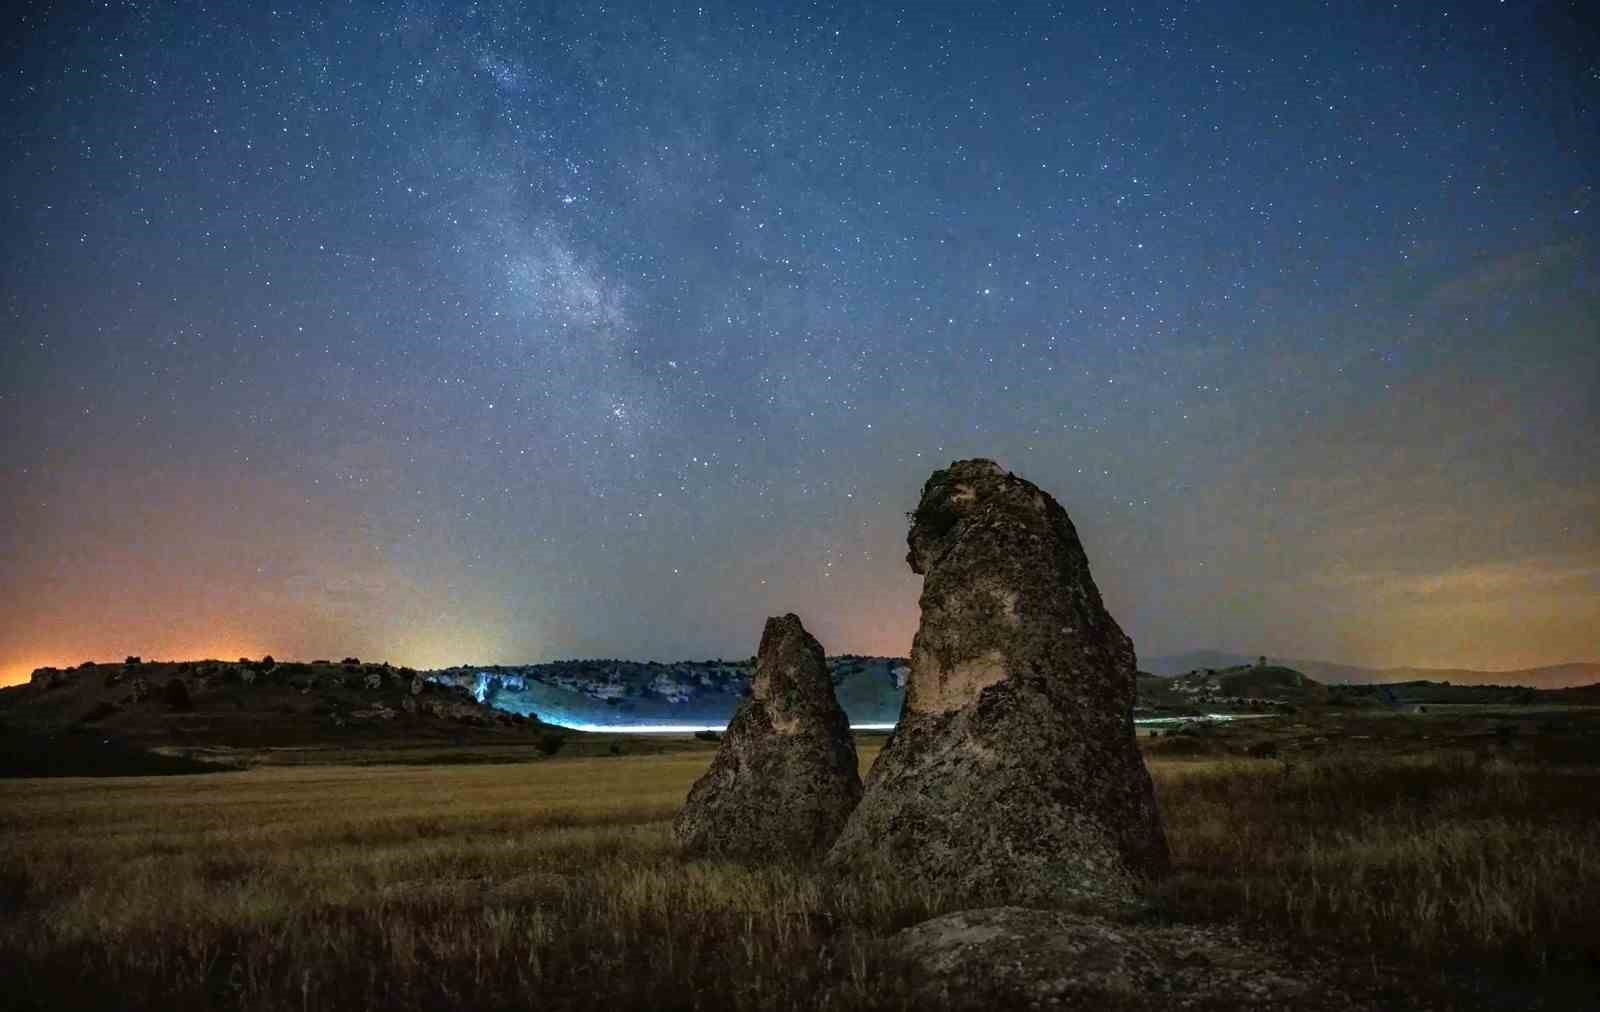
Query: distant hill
[[1421, 693], [1234, 686], [137, 705], [1554, 676]]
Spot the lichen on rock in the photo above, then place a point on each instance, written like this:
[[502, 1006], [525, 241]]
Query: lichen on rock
[[1009, 957]]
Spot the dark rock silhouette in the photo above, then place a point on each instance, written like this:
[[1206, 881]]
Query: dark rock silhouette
[[48, 678], [1013, 775], [784, 778]]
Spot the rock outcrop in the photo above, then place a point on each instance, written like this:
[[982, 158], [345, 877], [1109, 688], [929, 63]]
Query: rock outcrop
[[1012, 776], [1008, 957], [48, 678], [784, 778], [235, 705]]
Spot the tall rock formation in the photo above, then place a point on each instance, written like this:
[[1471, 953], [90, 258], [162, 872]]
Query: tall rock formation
[[784, 778], [1013, 775]]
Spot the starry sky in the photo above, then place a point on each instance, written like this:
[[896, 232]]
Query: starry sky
[[504, 332]]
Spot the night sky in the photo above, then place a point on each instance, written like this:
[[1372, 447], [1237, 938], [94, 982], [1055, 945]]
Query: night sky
[[499, 332]]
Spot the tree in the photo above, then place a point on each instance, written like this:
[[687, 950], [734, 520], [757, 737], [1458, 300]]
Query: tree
[[176, 694], [550, 743]]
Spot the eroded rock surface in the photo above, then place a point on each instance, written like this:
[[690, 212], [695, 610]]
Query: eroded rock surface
[[784, 778], [1012, 776], [1009, 957]]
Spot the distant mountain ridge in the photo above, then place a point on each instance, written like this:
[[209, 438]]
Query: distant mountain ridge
[[611, 693], [1552, 676]]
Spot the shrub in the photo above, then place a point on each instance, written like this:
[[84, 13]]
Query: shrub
[[176, 695], [551, 743], [99, 711]]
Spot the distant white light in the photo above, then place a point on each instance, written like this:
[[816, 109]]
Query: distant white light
[[641, 728]]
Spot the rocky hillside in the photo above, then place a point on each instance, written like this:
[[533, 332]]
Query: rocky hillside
[[617, 693], [596, 694], [252, 703]]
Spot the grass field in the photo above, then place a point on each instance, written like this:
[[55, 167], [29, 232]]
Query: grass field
[[554, 884]]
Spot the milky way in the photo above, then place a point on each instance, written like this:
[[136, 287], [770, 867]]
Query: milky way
[[482, 333]]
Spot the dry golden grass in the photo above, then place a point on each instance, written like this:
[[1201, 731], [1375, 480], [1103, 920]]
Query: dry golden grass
[[555, 884], [1433, 858]]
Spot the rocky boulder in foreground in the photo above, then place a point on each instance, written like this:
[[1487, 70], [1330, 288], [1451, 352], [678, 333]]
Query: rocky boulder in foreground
[[784, 778], [1013, 776], [1009, 957]]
